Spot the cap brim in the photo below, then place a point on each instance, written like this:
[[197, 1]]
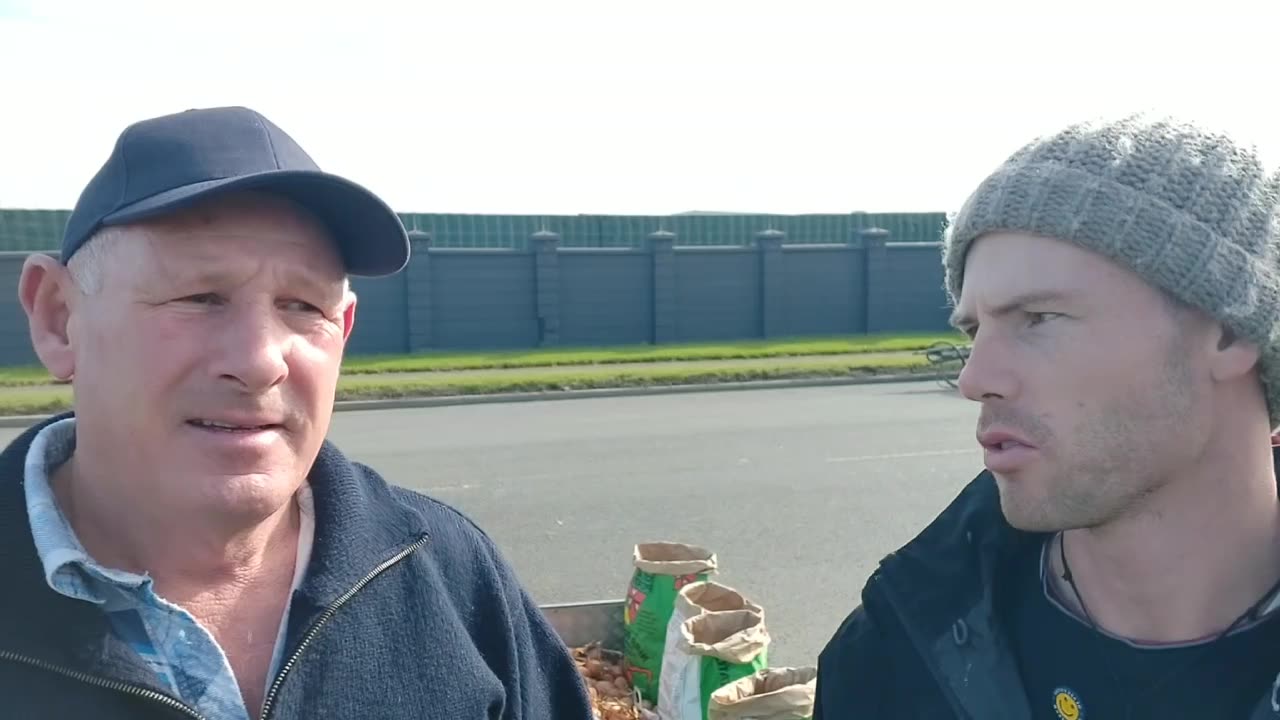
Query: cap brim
[[369, 234]]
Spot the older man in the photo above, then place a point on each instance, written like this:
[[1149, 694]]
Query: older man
[[188, 544], [1119, 557]]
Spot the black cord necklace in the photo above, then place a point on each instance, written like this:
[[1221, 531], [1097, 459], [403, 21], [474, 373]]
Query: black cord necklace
[[1248, 616]]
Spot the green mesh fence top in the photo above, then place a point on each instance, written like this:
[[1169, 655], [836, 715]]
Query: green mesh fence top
[[26, 230]]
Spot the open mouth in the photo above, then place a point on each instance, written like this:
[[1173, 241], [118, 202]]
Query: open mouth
[[1005, 452], [217, 426]]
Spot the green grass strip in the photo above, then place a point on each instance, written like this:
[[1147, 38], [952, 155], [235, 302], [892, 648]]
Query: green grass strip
[[24, 376], [644, 353], [560, 357], [32, 402]]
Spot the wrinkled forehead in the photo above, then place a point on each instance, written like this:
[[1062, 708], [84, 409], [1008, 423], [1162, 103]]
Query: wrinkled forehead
[[238, 230]]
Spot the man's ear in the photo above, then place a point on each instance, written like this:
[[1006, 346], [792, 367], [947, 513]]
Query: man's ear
[[1233, 356], [349, 317], [42, 290]]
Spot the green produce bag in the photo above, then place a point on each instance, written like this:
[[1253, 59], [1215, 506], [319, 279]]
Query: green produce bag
[[770, 694], [715, 650], [694, 600], [662, 569]]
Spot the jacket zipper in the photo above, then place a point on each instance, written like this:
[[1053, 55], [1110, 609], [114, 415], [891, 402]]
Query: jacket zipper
[[113, 685], [269, 703]]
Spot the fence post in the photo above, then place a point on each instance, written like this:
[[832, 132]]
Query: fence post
[[417, 281], [546, 283], [663, 255], [876, 276], [772, 282]]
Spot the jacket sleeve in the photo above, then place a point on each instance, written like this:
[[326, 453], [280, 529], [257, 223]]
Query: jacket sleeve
[[541, 678], [855, 677], [516, 642], [551, 685]]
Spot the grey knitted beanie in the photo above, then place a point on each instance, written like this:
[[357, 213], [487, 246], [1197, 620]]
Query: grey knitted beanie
[[1186, 208]]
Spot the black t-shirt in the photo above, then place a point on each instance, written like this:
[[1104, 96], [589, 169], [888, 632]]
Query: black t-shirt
[[1073, 672]]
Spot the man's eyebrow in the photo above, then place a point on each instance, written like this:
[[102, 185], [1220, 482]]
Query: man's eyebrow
[[961, 319], [206, 276]]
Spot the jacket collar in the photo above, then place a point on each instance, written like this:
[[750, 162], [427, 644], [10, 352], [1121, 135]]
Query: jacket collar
[[43, 624], [359, 523], [944, 584]]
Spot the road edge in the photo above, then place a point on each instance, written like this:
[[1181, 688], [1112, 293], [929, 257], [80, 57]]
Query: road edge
[[19, 421]]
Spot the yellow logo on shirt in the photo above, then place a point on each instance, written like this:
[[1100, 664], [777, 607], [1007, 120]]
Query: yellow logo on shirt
[[1067, 704]]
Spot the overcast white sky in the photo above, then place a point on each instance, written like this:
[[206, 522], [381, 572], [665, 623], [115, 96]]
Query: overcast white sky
[[567, 106]]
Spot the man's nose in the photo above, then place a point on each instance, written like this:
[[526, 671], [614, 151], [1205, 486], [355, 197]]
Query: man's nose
[[254, 349], [989, 371]]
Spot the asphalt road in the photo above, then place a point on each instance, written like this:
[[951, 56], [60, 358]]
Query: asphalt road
[[800, 492]]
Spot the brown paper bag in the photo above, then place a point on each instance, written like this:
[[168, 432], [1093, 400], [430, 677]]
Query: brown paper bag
[[695, 599], [662, 570], [711, 596], [715, 649], [770, 694]]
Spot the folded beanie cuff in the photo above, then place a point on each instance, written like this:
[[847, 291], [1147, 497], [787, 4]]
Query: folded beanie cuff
[[1166, 247]]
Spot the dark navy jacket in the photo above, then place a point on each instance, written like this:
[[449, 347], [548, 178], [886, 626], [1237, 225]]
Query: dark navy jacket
[[407, 611], [926, 641]]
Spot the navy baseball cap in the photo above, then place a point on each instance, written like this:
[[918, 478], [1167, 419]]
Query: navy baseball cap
[[171, 162]]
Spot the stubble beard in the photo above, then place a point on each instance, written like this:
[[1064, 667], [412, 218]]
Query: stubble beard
[[1116, 458]]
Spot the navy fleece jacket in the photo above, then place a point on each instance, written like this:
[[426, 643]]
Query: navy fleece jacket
[[407, 611]]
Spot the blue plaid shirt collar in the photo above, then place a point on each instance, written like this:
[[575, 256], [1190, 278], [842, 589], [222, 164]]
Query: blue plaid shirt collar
[[67, 566]]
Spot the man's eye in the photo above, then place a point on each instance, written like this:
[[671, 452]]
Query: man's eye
[[1035, 318], [202, 299], [300, 306]]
